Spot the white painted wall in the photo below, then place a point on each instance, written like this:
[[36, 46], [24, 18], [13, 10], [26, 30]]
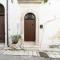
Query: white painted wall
[[51, 20]]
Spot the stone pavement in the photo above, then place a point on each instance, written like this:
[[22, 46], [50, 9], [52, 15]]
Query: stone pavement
[[10, 57], [52, 54]]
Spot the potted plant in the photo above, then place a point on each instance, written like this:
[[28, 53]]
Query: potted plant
[[15, 40]]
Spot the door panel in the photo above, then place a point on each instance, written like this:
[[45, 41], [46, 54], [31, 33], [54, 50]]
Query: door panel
[[2, 25], [2, 29], [29, 28]]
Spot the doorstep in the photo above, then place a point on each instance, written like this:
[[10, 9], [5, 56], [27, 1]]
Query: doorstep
[[21, 52]]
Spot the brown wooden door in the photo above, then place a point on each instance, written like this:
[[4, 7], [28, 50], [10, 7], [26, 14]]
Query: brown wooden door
[[29, 29], [2, 25]]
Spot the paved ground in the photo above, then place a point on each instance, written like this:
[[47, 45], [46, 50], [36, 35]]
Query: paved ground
[[9, 57], [23, 57], [4, 56], [18, 56], [21, 52]]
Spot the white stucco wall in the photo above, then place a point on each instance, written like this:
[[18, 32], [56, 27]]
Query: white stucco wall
[[51, 21]]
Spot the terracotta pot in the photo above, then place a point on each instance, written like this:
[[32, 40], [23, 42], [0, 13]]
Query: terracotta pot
[[13, 46]]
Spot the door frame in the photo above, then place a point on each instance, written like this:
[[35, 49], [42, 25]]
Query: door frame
[[37, 27], [34, 30], [6, 31]]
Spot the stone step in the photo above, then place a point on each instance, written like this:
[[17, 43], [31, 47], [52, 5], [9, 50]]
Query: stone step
[[21, 52], [32, 48]]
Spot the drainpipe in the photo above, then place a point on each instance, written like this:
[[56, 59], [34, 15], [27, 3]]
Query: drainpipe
[[7, 24]]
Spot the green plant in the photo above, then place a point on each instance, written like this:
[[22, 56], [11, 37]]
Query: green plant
[[45, 1], [15, 39]]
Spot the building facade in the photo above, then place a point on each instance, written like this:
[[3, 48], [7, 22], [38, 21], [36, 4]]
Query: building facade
[[37, 22]]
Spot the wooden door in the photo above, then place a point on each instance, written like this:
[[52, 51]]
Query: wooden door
[[29, 27], [2, 25]]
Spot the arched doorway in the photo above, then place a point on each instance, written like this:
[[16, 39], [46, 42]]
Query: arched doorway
[[2, 24], [29, 27]]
